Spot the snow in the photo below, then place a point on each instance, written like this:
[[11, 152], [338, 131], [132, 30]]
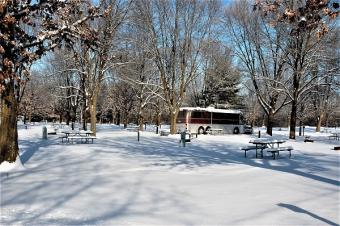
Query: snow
[[120, 181], [6, 167]]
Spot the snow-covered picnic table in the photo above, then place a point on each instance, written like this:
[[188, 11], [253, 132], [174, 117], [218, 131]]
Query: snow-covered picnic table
[[215, 131], [268, 144], [335, 136], [71, 136]]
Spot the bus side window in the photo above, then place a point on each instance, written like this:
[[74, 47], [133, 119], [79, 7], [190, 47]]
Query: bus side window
[[196, 114], [181, 118], [206, 115]]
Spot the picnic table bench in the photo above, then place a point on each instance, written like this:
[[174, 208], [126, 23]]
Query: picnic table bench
[[82, 139], [277, 151], [308, 139], [253, 147]]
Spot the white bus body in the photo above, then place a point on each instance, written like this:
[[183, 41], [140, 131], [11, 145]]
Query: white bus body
[[201, 120]]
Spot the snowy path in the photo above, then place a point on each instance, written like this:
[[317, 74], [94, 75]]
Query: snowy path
[[120, 181]]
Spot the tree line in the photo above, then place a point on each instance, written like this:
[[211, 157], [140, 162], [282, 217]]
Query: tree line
[[139, 60]]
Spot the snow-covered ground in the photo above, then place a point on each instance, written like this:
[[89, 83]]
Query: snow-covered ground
[[120, 181]]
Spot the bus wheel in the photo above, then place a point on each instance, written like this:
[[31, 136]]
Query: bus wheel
[[236, 130], [200, 130], [207, 130]]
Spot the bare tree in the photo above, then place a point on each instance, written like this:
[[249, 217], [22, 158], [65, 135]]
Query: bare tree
[[140, 71], [260, 48], [95, 64], [307, 23], [176, 30], [326, 70]]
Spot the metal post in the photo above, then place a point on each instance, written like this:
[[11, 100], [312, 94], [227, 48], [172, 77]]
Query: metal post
[[183, 138], [303, 131], [259, 135], [138, 135], [44, 131], [300, 128]]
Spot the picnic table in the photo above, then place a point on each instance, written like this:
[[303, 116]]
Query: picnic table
[[77, 132], [215, 131], [74, 135], [335, 136], [268, 144]]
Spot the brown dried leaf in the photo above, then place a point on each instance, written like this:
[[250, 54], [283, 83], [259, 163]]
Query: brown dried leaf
[[326, 11], [2, 50], [290, 13]]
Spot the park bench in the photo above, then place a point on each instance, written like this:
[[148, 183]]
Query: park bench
[[277, 151], [308, 139], [164, 133]]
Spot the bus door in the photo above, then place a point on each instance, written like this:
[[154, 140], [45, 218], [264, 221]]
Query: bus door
[[187, 120]]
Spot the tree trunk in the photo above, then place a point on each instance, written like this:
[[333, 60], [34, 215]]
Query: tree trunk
[[84, 117], [93, 113], [319, 122], [118, 118], [9, 148], [125, 120], [140, 121], [270, 120], [68, 118], [158, 118], [173, 119], [293, 120], [30, 115]]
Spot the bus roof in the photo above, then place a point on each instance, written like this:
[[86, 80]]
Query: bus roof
[[211, 109]]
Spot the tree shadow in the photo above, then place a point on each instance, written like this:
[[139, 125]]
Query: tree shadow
[[28, 148], [84, 175], [167, 152], [53, 187], [300, 210]]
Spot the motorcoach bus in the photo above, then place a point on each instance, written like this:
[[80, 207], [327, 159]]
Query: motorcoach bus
[[201, 120]]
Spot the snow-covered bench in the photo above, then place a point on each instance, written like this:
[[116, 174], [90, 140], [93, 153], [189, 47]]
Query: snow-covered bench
[[308, 139], [277, 151], [164, 132]]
